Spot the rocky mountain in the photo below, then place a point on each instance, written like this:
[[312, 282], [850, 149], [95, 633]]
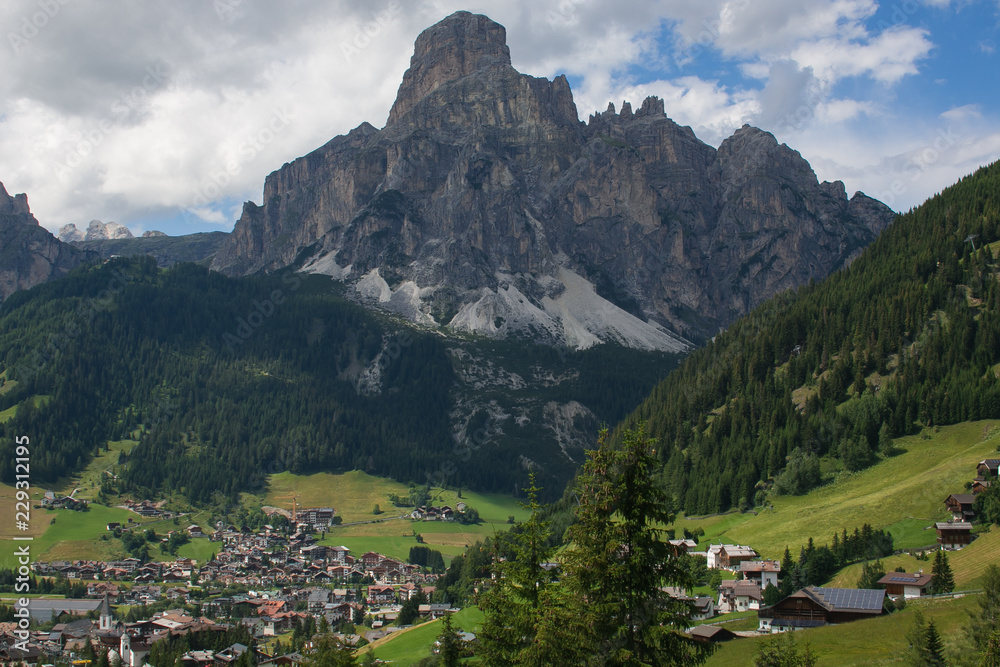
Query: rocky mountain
[[485, 204], [29, 254], [166, 250], [97, 230]]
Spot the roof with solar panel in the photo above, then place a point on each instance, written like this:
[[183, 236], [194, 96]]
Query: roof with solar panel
[[918, 579], [841, 599]]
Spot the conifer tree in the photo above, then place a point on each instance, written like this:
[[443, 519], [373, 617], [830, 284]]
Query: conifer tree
[[450, 642], [991, 658], [772, 595], [916, 639], [984, 621], [870, 574], [944, 580], [781, 651], [620, 560], [330, 652], [513, 604], [933, 648]]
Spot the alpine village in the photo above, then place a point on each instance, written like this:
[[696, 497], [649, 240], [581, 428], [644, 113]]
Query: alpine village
[[491, 385]]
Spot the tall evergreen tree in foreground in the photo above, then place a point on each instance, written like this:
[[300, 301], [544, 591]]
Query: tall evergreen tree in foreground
[[620, 560], [450, 642], [513, 604], [330, 652], [926, 648]]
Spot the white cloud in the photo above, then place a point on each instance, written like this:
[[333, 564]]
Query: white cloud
[[887, 58], [239, 93], [838, 111], [965, 112]]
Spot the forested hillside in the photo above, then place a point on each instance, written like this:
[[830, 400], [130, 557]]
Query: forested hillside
[[908, 335], [225, 381]]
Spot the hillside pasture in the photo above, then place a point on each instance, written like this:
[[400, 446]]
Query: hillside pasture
[[904, 493]]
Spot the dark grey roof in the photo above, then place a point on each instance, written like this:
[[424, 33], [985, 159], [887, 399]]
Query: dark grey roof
[[840, 599], [709, 631], [41, 610]]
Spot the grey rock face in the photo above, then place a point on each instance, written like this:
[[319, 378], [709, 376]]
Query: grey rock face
[[485, 204], [29, 254], [96, 231]]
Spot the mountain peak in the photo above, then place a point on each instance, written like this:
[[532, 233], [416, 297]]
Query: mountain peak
[[16, 205], [29, 254], [452, 48]]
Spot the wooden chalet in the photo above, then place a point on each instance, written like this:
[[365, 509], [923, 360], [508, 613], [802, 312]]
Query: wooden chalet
[[989, 469], [960, 506], [953, 534], [732, 555], [901, 584], [711, 633], [683, 546], [812, 607], [980, 484]]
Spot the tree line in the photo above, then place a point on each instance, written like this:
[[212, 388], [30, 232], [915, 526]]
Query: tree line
[[905, 337], [225, 381]]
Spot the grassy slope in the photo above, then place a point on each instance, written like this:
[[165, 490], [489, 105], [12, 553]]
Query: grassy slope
[[6, 415], [88, 481], [904, 493], [72, 535], [879, 641], [354, 496], [408, 647], [968, 564]]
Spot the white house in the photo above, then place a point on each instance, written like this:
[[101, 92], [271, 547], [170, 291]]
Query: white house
[[761, 572], [738, 595]]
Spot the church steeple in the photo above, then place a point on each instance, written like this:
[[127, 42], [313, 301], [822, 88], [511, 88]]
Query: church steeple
[[105, 612]]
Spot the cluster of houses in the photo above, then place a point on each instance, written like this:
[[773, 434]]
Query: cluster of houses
[[148, 508], [127, 643], [244, 560], [253, 561], [809, 607], [431, 513], [957, 531], [264, 614], [128, 569], [53, 502], [987, 473], [307, 519]]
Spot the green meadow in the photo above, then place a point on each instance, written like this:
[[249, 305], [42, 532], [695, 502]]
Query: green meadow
[[355, 494], [904, 493], [877, 641], [410, 646]]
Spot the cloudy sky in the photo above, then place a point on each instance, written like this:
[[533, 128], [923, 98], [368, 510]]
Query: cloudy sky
[[169, 114]]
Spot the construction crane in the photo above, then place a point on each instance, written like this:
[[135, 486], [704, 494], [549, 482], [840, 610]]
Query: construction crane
[[971, 238], [295, 512]]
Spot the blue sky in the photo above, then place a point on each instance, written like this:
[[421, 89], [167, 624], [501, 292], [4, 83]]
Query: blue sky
[[169, 115]]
